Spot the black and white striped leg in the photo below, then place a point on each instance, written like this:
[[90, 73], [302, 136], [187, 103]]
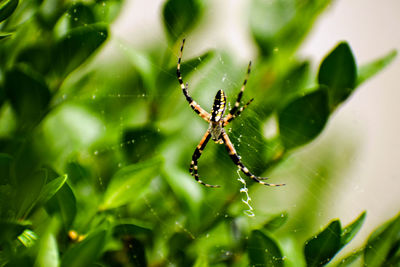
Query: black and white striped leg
[[239, 97], [229, 119], [196, 155], [236, 159], [196, 107]]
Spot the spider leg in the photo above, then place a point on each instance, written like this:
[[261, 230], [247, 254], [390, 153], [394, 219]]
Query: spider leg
[[196, 107], [228, 120], [239, 97], [236, 159], [196, 155]]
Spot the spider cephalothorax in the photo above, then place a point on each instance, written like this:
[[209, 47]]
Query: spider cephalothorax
[[217, 122]]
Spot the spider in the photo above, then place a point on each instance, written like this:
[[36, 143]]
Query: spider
[[217, 122]]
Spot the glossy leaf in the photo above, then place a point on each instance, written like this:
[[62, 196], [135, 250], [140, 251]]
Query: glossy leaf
[[51, 188], [372, 68], [28, 192], [4, 35], [80, 14], [77, 46], [180, 16], [86, 252], [383, 244], [350, 259], [28, 94], [107, 11], [352, 229], [338, 71], [276, 222], [7, 7], [263, 251], [127, 184], [322, 248], [279, 26], [64, 204], [303, 119], [28, 238], [48, 254]]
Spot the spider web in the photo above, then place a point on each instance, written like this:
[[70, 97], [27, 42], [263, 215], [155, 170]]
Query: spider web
[[316, 173]]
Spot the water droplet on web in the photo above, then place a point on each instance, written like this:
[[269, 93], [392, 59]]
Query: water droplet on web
[[276, 50], [224, 78], [199, 58], [93, 96], [96, 152]]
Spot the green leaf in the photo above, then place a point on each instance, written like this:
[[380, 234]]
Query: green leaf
[[187, 67], [276, 222], [28, 94], [303, 119], [7, 7], [142, 143], [132, 229], [263, 251], [47, 246], [28, 192], [5, 162], [267, 20], [180, 16], [370, 69], [278, 26], [63, 203], [127, 184], [4, 35], [320, 249], [64, 134], [350, 259], [51, 188], [77, 46], [86, 252], [383, 244], [80, 14], [28, 238], [338, 71], [9, 230], [48, 254], [352, 229], [32, 55]]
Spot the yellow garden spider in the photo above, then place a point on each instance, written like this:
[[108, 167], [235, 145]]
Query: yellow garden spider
[[217, 122]]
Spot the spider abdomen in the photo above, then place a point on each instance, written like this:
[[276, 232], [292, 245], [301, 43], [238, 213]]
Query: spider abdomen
[[218, 108]]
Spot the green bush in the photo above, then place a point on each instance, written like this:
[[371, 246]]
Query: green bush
[[94, 166]]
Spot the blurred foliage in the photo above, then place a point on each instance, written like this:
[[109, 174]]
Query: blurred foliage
[[95, 151]]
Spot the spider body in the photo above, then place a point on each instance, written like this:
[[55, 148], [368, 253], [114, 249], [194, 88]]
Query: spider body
[[217, 113], [217, 122]]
